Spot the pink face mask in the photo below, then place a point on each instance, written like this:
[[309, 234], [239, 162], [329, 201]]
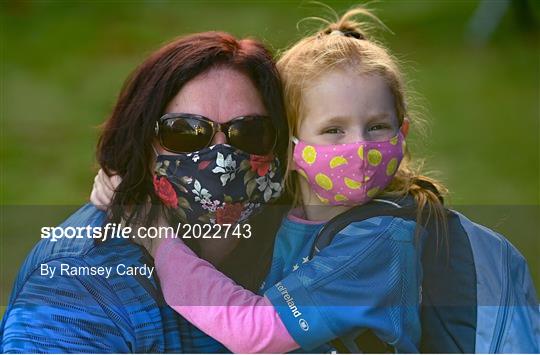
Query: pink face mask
[[352, 173]]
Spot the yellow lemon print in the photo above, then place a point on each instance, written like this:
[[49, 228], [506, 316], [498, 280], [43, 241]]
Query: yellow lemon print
[[391, 167], [302, 173], [309, 154], [323, 181], [352, 184], [340, 197], [361, 152], [394, 140], [373, 192], [337, 161], [374, 157], [323, 200]]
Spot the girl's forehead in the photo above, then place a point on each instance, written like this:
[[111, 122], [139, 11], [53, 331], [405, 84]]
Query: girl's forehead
[[346, 92]]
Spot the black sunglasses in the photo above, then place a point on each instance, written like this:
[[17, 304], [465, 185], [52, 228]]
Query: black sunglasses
[[186, 133]]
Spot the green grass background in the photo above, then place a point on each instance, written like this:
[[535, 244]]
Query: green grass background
[[63, 63]]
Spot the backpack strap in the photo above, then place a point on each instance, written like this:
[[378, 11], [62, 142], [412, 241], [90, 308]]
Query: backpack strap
[[374, 208], [403, 207]]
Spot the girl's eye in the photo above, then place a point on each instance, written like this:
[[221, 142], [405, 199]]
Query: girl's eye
[[333, 130], [378, 127]]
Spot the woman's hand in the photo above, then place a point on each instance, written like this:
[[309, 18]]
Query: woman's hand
[[103, 189]]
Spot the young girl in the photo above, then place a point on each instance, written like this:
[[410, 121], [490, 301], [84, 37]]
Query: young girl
[[348, 119]]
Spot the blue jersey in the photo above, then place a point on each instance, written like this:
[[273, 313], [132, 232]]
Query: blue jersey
[[369, 277], [77, 313]]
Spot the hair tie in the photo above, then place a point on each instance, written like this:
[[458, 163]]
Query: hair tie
[[336, 33], [347, 33], [354, 34]]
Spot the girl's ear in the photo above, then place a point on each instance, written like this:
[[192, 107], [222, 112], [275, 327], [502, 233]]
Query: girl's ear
[[405, 127]]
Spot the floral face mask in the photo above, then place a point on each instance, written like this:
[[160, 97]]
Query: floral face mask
[[352, 173], [217, 185]]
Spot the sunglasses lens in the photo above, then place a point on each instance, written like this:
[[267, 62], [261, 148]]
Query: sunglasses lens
[[254, 135], [185, 134]]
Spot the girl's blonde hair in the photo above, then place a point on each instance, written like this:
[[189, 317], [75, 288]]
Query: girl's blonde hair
[[345, 43]]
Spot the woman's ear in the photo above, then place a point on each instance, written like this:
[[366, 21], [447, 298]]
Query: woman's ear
[[405, 127]]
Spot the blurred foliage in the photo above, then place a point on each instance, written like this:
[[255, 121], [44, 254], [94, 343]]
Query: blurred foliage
[[63, 64]]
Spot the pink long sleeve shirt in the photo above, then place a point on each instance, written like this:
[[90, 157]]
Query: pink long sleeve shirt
[[239, 319]]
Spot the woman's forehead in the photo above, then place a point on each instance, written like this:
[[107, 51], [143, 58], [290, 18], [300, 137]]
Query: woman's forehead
[[221, 94]]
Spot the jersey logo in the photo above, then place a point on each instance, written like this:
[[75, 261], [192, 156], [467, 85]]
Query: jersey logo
[[288, 299], [303, 324]]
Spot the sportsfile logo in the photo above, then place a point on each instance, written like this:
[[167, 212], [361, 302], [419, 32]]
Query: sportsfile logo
[[288, 298]]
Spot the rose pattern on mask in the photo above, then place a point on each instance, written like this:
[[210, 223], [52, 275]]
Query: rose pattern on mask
[[165, 191]]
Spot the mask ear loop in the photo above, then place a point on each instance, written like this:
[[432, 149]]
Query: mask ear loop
[[156, 130], [155, 150], [295, 140]]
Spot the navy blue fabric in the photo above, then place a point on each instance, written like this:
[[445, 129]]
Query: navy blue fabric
[[449, 293], [218, 184]]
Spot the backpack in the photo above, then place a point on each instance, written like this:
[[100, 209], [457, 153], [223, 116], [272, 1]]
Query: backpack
[[477, 293]]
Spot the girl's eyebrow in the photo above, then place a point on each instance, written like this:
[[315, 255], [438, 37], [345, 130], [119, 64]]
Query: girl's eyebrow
[[344, 119], [378, 116], [337, 119]]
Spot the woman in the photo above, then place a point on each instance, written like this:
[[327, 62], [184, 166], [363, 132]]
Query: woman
[[232, 83]]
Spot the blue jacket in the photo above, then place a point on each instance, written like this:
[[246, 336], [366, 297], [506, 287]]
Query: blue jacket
[[369, 277], [93, 313]]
